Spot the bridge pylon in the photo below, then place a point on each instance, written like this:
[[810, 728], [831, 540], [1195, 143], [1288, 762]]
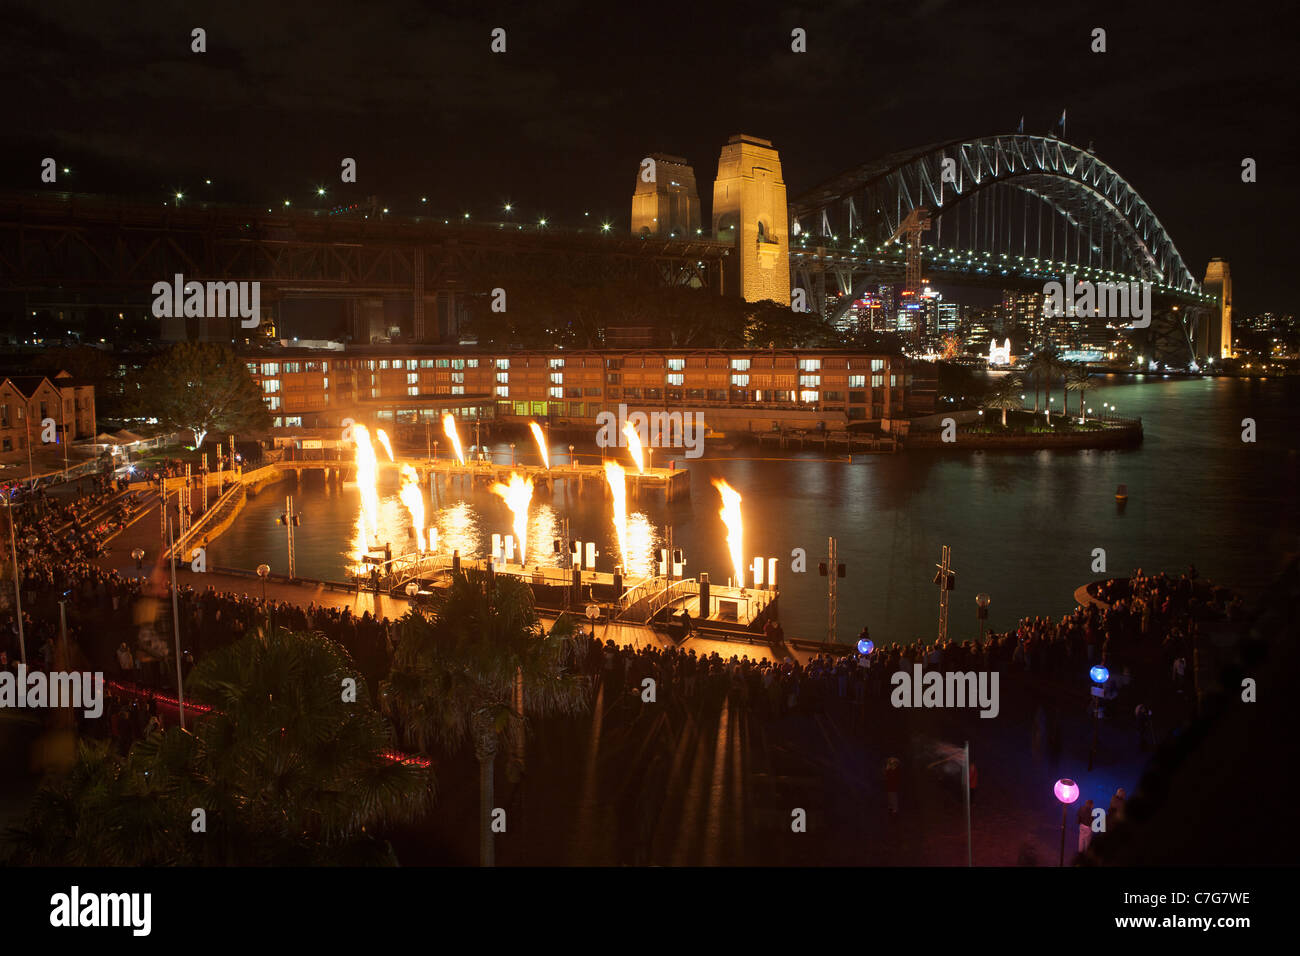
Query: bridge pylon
[[749, 204]]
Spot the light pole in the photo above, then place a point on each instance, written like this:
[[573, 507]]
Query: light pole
[[982, 601], [1067, 791], [572, 463], [18, 596], [176, 624], [138, 554], [262, 571], [512, 454], [1099, 675]]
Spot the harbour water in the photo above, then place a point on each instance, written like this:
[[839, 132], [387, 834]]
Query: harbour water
[[1023, 526]]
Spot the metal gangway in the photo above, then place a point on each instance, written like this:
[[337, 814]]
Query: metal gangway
[[640, 604]]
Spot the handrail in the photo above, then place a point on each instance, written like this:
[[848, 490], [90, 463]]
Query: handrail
[[238, 489]]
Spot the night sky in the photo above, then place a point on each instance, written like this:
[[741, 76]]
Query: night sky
[[558, 124]]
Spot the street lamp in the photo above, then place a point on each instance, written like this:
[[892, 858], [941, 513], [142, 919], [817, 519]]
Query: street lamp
[[572, 463], [512, 454], [982, 602], [138, 554], [412, 589], [1099, 675], [262, 571], [1067, 791]]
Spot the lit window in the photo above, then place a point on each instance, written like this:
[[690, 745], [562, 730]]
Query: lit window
[[503, 378], [503, 363], [675, 378], [810, 365], [271, 385], [877, 381], [740, 365], [809, 381], [857, 381], [740, 381], [412, 378], [556, 363], [458, 390], [556, 392], [503, 391], [808, 397], [413, 390], [877, 364], [557, 378], [676, 364]]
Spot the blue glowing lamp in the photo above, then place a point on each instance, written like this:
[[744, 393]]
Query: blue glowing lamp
[[865, 646], [1099, 674]]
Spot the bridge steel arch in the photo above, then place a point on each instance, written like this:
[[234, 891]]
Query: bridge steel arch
[[869, 203]]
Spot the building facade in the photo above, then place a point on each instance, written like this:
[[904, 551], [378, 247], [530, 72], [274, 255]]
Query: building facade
[[33, 407], [746, 389]]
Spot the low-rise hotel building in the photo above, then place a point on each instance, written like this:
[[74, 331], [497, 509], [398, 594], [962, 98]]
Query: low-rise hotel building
[[743, 390]]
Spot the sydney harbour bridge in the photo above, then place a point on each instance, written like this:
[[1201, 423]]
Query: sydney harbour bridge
[[1011, 211]]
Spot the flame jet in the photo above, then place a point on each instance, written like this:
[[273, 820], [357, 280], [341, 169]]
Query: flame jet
[[517, 495], [536, 429], [730, 513], [367, 484], [412, 495], [617, 478], [449, 429], [383, 440], [634, 446]]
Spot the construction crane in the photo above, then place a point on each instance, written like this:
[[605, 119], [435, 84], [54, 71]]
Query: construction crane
[[917, 222]]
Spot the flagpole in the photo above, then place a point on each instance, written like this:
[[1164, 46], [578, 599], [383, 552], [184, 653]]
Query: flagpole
[[970, 853], [18, 590], [176, 622]]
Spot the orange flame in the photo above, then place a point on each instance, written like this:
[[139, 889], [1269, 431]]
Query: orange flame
[[616, 476], [541, 443], [634, 446], [412, 495], [449, 429], [730, 513], [367, 484], [517, 495], [383, 440]]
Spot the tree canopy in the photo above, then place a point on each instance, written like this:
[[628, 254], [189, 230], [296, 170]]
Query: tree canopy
[[200, 387]]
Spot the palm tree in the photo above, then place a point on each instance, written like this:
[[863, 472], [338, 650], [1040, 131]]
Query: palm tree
[[1079, 380], [475, 667], [1040, 369], [288, 767], [1004, 394]]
